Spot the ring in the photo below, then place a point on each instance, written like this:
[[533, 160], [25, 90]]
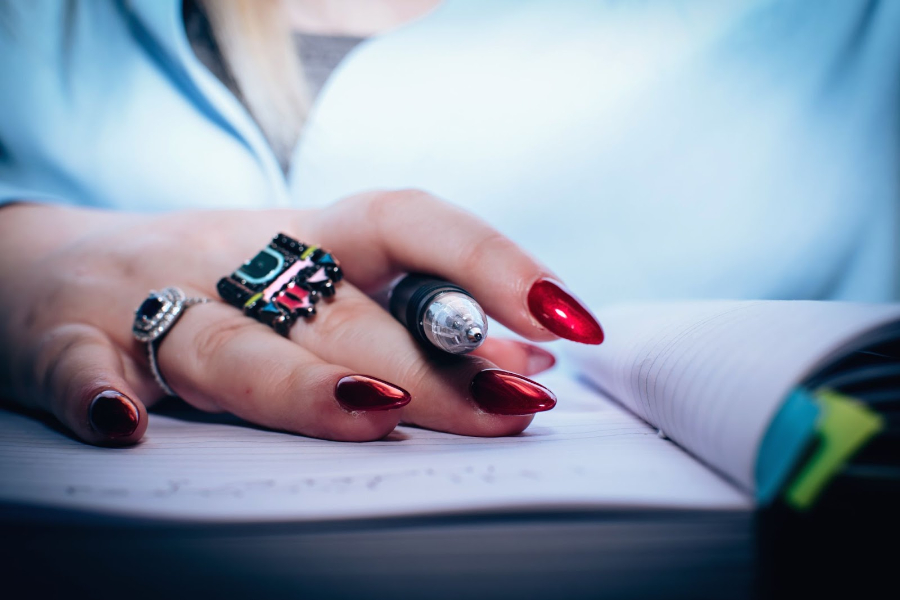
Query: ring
[[282, 282], [155, 318]]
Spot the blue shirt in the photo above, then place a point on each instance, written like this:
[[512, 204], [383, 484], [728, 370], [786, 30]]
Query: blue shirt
[[743, 149]]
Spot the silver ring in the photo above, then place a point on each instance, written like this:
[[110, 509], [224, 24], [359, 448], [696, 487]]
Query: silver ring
[[154, 318]]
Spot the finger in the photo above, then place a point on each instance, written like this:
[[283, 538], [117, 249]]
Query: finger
[[218, 359], [516, 356], [84, 385], [391, 232], [464, 395]]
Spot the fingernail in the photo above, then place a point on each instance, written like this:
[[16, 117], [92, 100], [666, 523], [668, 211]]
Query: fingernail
[[538, 360], [562, 313], [504, 393], [360, 392], [113, 415]]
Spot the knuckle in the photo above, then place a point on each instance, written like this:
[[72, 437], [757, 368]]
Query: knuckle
[[300, 222], [384, 206], [214, 337], [337, 322], [414, 374], [492, 243], [415, 195], [282, 383]]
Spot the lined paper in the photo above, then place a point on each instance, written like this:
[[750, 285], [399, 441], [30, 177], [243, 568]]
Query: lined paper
[[588, 453], [712, 375]]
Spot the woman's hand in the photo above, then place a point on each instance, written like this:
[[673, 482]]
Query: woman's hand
[[72, 279]]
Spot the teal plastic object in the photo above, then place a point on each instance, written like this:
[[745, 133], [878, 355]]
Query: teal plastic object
[[790, 434]]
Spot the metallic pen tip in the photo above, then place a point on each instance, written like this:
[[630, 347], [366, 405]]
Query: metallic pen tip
[[474, 334]]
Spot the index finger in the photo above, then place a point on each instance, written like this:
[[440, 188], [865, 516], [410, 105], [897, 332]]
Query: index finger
[[388, 233]]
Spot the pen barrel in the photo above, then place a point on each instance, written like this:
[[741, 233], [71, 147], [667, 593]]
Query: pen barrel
[[412, 296]]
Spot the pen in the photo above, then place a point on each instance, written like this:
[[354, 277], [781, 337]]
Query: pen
[[439, 313]]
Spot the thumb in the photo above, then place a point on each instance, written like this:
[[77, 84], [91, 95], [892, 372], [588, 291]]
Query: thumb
[[84, 386]]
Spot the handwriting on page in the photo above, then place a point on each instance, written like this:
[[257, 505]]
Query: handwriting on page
[[343, 484], [221, 440], [585, 453]]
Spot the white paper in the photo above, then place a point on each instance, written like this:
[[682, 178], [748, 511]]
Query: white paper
[[712, 375], [585, 454]]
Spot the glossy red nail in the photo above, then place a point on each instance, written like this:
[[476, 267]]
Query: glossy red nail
[[504, 393], [361, 392], [113, 415], [562, 313]]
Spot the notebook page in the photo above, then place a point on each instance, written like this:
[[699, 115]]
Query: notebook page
[[587, 453], [712, 375]]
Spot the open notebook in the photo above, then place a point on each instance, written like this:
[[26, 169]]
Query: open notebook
[[732, 382], [711, 376]]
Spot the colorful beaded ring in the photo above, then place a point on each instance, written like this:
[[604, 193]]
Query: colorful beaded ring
[[284, 281]]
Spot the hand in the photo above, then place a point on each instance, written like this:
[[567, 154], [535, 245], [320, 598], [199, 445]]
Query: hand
[[73, 278]]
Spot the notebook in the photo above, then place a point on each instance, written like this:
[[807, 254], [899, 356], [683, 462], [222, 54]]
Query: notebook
[[745, 386], [672, 411]]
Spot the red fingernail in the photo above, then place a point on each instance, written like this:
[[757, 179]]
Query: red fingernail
[[562, 313], [504, 393], [113, 415], [360, 392], [538, 361]]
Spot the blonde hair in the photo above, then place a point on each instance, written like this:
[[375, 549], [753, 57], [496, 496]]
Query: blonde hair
[[256, 46]]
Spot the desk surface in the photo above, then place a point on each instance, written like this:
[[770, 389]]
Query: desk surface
[[846, 545], [634, 554]]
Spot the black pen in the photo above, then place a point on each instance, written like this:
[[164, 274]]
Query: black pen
[[439, 313]]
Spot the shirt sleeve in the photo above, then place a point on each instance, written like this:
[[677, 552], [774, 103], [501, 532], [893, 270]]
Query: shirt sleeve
[[31, 43], [10, 193]]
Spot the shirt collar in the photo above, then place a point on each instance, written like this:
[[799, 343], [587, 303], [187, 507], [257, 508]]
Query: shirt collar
[[159, 26]]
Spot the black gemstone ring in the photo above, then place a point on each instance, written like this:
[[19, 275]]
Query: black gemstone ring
[[154, 318], [282, 282]]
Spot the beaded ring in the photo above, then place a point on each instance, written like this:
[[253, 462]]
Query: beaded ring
[[282, 282]]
